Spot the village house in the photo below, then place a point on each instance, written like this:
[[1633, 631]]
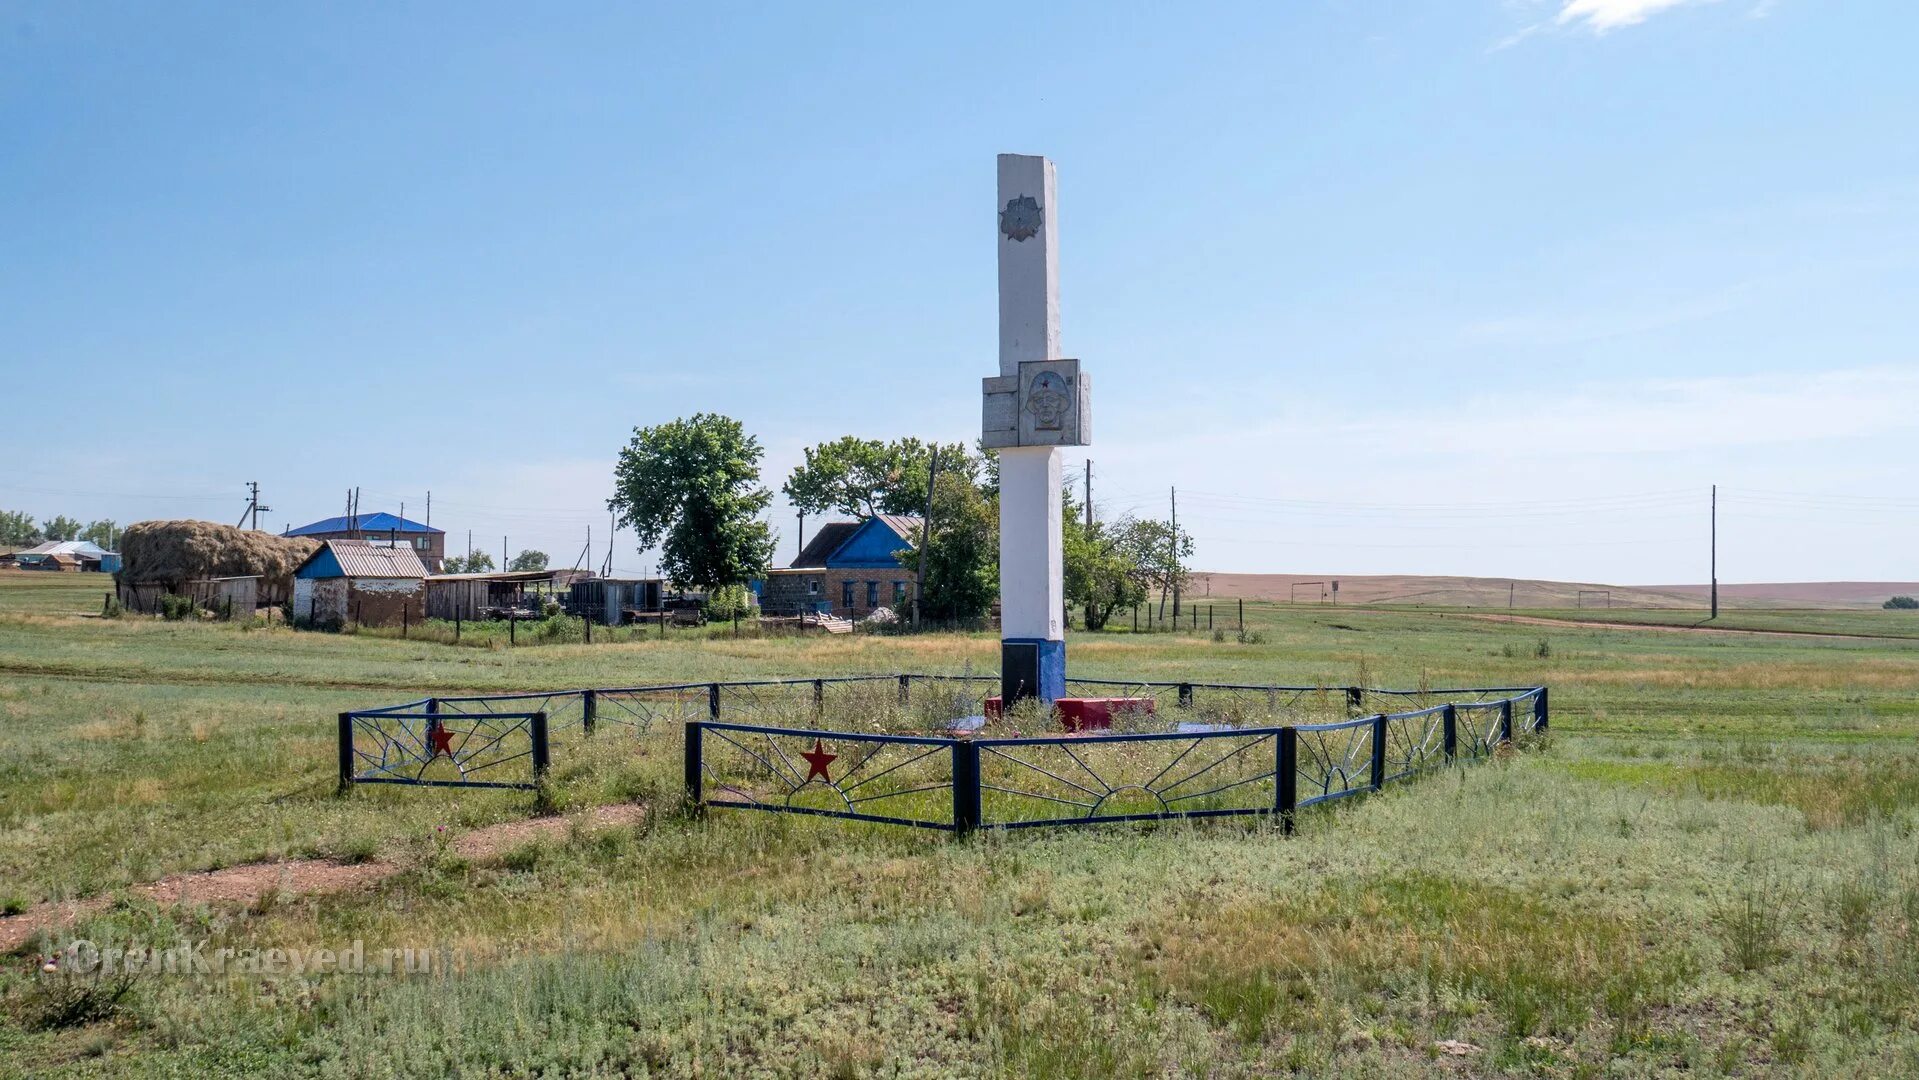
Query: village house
[[69, 555], [359, 581], [383, 530], [849, 569]]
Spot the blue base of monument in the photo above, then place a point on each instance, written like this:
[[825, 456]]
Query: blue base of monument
[[1032, 667]]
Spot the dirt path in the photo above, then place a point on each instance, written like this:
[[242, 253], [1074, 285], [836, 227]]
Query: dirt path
[[1669, 628], [246, 884]]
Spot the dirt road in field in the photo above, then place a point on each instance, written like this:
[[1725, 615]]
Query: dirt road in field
[[1595, 624], [248, 883]]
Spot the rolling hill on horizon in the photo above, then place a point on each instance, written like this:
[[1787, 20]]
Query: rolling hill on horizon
[[1522, 593]]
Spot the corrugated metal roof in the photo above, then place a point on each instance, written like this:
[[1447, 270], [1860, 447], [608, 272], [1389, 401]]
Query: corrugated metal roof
[[833, 536], [505, 575], [825, 542], [357, 558], [381, 522], [906, 525], [66, 547]]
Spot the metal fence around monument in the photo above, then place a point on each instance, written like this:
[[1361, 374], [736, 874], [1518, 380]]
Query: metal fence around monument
[[959, 783], [813, 746]]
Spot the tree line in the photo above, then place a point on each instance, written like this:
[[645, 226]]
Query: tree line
[[18, 529], [479, 562], [692, 488]]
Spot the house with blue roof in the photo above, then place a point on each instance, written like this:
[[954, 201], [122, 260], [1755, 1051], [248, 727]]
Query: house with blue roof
[[848, 568], [382, 530]]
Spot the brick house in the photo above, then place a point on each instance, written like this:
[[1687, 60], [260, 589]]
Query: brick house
[[382, 530], [357, 581], [848, 568]]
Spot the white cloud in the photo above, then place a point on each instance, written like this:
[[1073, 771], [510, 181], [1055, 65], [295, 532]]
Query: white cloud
[[1600, 16]]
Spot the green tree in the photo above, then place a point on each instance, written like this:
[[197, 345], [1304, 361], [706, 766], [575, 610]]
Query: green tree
[[692, 487], [18, 530], [961, 556], [1101, 573], [988, 473], [103, 533], [1901, 603], [528, 559], [1158, 554], [730, 601], [862, 477], [850, 475], [61, 527], [478, 562]]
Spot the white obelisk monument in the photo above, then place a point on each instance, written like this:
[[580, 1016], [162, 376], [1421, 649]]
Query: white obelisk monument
[[1037, 403]]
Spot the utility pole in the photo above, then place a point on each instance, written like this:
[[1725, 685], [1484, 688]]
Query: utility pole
[[926, 533], [1173, 563], [469, 547], [502, 554], [1089, 496], [1715, 551], [429, 510], [253, 504]]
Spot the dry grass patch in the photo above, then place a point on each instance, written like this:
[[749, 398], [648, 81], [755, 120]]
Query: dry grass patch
[[1419, 957], [1831, 793]]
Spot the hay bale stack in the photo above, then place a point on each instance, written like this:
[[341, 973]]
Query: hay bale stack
[[172, 553]]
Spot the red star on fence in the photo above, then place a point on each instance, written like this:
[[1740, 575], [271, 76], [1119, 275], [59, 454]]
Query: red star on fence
[[817, 760], [438, 741]]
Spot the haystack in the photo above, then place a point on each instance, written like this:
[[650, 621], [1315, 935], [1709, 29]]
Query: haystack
[[172, 553]]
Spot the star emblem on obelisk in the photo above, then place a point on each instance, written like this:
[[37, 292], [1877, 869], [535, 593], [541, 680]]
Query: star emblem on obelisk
[[817, 759], [439, 741], [1021, 219]]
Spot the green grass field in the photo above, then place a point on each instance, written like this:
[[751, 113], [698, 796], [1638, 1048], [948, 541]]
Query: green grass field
[[1710, 867]]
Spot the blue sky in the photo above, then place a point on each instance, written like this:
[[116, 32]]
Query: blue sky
[[1442, 286]]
